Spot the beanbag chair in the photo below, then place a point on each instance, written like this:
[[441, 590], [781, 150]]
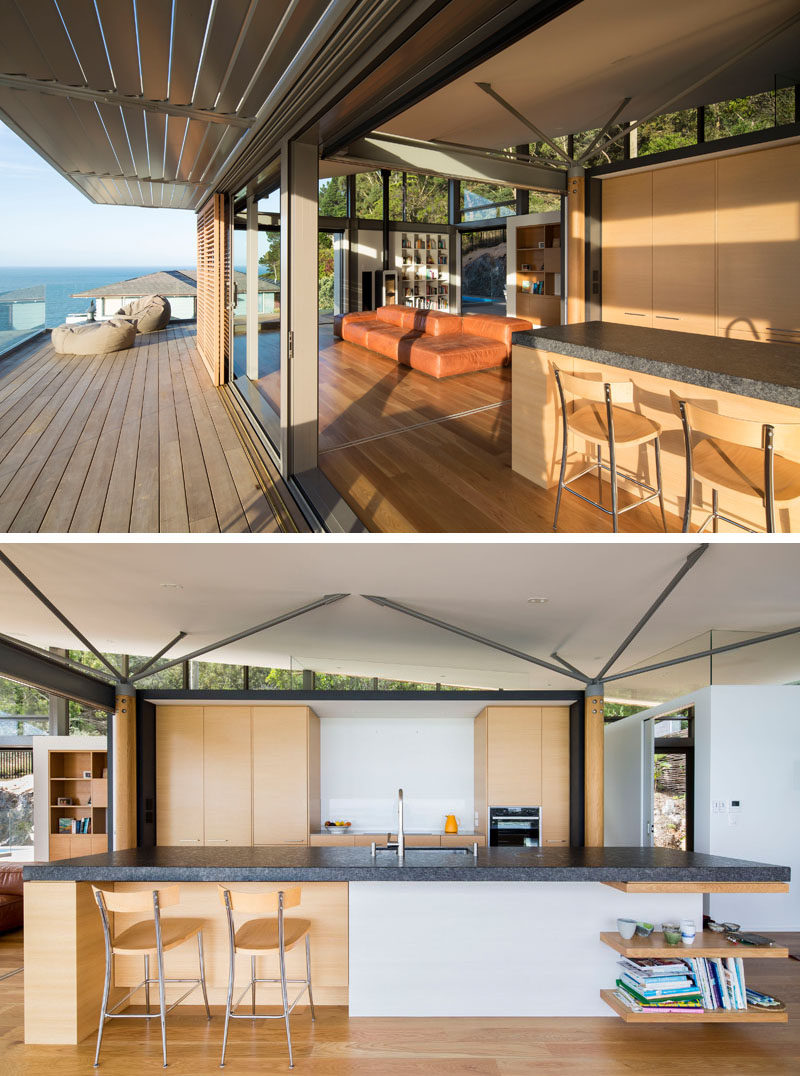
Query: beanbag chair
[[151, 313], [94, 337]]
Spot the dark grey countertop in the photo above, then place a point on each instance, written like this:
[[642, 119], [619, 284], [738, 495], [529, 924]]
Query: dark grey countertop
[[747, 368], [198, 864]]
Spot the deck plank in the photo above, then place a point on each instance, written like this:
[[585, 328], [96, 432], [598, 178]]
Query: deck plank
[[135, 441]]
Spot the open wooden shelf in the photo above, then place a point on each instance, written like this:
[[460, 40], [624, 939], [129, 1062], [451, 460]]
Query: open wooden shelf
[[717, 1016], [707, 944], [699, 887]]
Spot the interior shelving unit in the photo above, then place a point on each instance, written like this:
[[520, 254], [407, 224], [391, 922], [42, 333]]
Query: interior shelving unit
[[425, 270], [67, 779], [538, 273], [706, 944]]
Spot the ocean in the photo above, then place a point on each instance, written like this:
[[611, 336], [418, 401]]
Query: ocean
[[61, 282]]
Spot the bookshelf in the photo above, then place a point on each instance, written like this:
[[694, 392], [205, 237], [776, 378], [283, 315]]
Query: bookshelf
[[706, 944], [67, 779], [424, 264], [538, 273]]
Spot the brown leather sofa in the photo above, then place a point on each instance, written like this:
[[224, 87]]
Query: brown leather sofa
[[439, 344], [10, 896]]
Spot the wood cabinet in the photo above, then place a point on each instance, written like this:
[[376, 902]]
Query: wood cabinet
[[684, 248], [285, 741], [522, 760], [628, 249], [227, 781], [555, 777], [708, 247], [236, 775], [179, 775], [534, 278]]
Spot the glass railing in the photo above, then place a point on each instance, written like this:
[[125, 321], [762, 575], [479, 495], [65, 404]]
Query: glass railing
[[23, 313]]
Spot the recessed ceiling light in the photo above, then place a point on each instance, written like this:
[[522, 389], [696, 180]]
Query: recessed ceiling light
[[538, 601], [171, 586]]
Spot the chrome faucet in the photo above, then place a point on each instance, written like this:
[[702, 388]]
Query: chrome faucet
[[401, 837]]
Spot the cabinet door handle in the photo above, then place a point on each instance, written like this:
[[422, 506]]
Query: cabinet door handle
[[189, 840], [667, 317], [633, 314], [217, 840], [553, 840], [294, 842]]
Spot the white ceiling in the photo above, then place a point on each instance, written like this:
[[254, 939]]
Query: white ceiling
[[597, 591], [572, 74]]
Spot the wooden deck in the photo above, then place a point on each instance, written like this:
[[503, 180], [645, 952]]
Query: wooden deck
[[410, 453], [136, 440]]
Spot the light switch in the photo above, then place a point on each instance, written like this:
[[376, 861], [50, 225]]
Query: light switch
[[718, 806]]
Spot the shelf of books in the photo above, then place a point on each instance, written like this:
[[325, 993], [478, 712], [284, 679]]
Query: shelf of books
[[78, 803], [703, 984], [424, 268]]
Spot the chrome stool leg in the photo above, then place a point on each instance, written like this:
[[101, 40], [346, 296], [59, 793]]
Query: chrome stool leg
[[715, 511], [657, 445], [253, 985], [147, 983], [103, 1007], [308, 976], [203, 972], [162, 1002], [228, 1004], [282, 958]]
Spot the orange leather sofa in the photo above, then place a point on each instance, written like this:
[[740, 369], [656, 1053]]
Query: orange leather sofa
[[10, 896], [439, 344]]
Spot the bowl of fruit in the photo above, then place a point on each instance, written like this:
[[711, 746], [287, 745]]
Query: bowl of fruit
[[337, 827]]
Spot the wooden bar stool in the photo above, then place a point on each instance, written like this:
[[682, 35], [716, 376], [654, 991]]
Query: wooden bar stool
[[153, 936], [738, 454], [256, 937], [594, 415]]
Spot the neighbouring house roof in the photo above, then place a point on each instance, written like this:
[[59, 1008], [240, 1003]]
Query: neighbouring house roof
[[170, 283], [23, 295]]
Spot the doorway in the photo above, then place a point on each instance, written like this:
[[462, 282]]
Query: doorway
[[483, 271], [668, 816]]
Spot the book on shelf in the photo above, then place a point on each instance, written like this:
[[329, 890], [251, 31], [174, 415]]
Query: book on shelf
[[692, 1003], [661, 988], [654, 968], [692, 996], [721, 981]]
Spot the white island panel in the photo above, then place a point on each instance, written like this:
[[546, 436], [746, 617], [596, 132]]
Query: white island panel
[[492, 948]]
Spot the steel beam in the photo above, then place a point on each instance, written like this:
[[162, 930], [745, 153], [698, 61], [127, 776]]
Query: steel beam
[[566, 664], [151, 661], [328, 599], [57, 613], [108, 97], [541, 136], [19, 663], [686, 567], [603, 130], [382, 150], [711, 652], [389, 604]]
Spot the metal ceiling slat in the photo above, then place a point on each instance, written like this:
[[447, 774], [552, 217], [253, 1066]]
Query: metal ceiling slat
[[95, 190], [176, 128], [51, 122], [156, 126], [84, 29], [99, 156], [112, 118], [265, 18], [225, 146], [46, 26], [134, 125], [292, 38], [154, 18], [225, 26], [188, 32], [119, 29], [19, 52], [191, 145], [208, 148]]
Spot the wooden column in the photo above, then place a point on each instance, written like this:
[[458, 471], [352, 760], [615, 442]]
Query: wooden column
[[594, 790], [123, 770], [576, 248]]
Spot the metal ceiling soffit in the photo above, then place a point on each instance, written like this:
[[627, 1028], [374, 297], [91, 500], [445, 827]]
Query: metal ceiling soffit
[[711, 652], [753, 46], [58, 614], [686, 567], [328, 599], [389, 604]]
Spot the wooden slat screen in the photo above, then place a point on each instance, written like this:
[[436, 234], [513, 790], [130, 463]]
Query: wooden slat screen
[[213, 279]]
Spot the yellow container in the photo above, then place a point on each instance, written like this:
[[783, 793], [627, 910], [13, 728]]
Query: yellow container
[[450, 824]]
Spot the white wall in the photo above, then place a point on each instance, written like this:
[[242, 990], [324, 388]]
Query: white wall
[[366, 759], [747, 747]]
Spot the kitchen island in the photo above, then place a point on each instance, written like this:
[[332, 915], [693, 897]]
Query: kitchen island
[[509, 932], [739, 378]]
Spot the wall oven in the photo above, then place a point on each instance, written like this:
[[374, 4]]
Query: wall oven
[[515, 826]]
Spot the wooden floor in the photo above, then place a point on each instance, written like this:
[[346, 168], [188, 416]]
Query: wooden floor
[[137, 440], [336, 1046], [408, 452]]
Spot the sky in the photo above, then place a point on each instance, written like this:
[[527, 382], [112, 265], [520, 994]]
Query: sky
[[44, 220]]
